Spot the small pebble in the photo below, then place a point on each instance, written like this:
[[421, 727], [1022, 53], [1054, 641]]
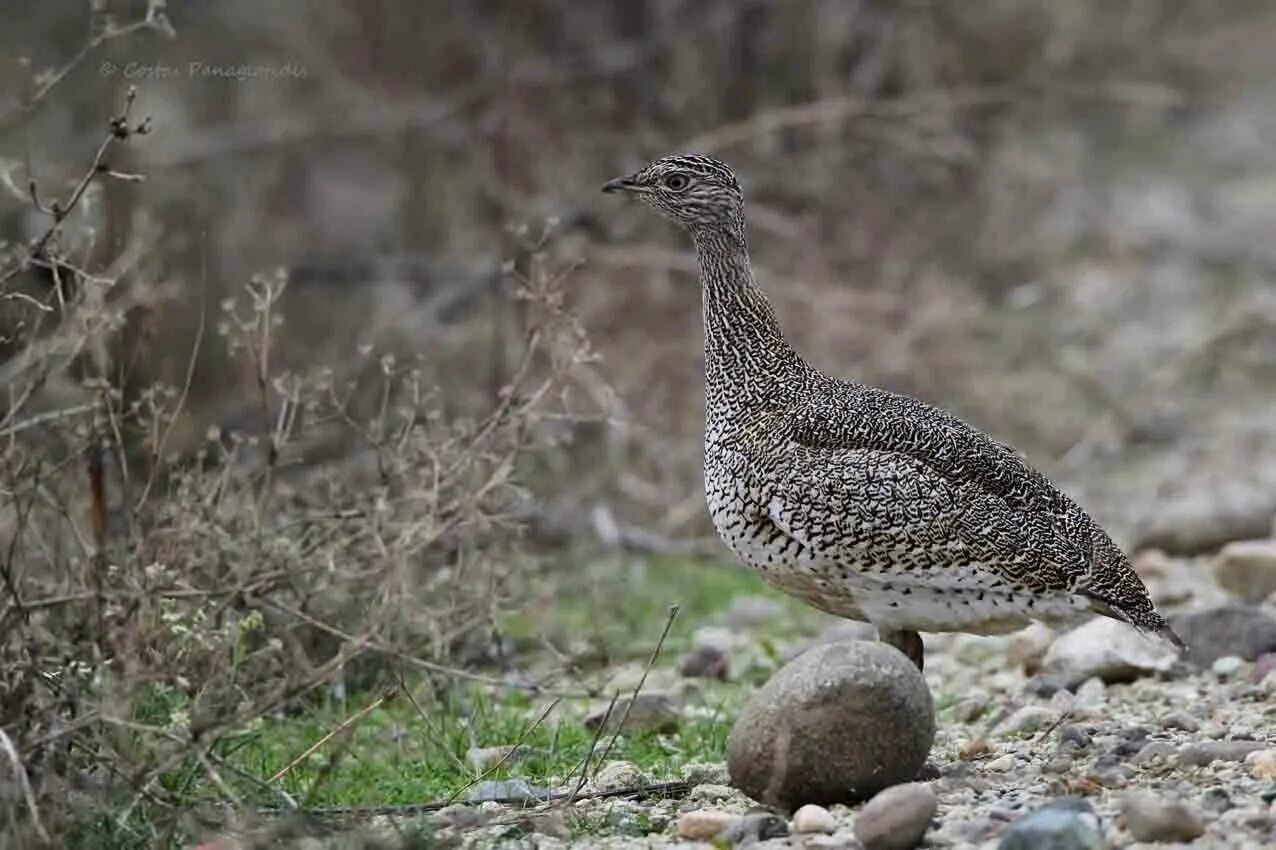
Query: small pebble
[[1001, 763], [1154, 751], [493, 790], [1227, 666], [1150, 818], [703, 824], [1028, 720], [705, 662], [653, 710], [1074, 737], [1261, 764], [971, 750], [897, 818], [1059, 764], [1264, 665], [706, 773], [1216, 800], [1092, 692], [1207, 752], [1132, 740], [459, 816], [1180, 720], [553, 824], [617, 774], [1065, 824], [1046, 685], [969, 710], [1110, 776], [812, 818], [710, 792], [756, 826]]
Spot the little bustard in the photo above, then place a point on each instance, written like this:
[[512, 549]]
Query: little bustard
[[868, 504]]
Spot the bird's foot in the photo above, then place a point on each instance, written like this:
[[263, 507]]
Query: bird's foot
[[907, 642]]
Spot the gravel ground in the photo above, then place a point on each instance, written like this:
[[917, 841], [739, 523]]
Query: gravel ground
[[1171, 757]]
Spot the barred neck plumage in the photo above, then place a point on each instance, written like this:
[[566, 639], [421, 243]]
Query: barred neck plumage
[[748, 363]]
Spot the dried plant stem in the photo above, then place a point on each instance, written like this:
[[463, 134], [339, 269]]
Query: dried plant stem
[[654, 789], [528, 729], [593, 745], [119, 131], [332, 733], [642, 680], [24, 782]]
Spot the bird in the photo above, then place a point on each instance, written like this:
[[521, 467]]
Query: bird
[[868, 504]]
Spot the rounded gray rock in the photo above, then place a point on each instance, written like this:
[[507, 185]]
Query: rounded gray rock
[[1152, 819], [1246, 631], [837, 724], [1065, 824], [897, 818]]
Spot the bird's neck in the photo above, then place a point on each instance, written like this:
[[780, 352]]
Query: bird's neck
[[747, 360]]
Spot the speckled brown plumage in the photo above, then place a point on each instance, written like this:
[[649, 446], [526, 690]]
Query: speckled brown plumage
[[869, 504]]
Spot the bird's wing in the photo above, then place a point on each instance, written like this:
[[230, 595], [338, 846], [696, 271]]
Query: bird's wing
[[884, 476], [865, 506], [848, 416]]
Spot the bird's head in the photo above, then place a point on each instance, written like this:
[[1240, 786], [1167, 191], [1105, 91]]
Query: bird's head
[[695, 191]]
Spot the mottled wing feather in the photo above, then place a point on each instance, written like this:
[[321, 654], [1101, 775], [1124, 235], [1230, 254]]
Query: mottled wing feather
[[850, 416], [1040, 538], [920, 487], [860, 506]]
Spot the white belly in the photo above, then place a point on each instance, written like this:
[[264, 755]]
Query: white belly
[[959, 601]]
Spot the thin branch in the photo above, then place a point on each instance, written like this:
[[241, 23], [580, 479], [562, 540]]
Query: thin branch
[[47, 417], [24, 782], [119, 131], [593, 745], [332, 733], [642, 680], [158, 458], [661, 790], [527, 730]]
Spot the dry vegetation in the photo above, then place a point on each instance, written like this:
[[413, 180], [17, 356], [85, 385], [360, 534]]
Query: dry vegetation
[[225, 487]]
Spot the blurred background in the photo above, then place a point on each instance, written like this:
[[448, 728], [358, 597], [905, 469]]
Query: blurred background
[[345, 364], [1054, 219]]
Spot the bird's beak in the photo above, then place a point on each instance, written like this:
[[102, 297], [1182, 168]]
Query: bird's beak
[[621, 184]]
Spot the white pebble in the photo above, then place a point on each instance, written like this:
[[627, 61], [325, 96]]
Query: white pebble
[[1001, 764], [1227, 666], [1261, 764], [1028, 720], [813, 818], [1092, 691]]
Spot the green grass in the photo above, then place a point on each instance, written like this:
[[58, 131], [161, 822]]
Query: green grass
[[397, 754], [620, 604]]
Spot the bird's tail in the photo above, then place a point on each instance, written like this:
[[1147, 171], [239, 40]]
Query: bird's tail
[[1168, 634]]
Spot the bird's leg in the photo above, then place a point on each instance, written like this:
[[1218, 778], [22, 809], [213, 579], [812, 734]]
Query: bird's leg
[[907, 642]]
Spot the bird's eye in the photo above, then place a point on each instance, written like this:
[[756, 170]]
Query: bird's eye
[[677, 182]]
